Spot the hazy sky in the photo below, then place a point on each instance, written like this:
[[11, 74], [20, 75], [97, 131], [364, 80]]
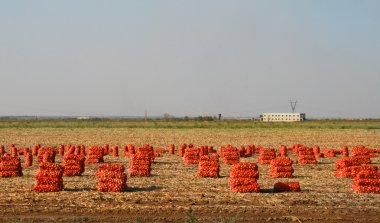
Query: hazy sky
[[193, 57]]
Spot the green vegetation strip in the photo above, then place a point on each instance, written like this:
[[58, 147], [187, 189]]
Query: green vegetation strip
[[151, 124]]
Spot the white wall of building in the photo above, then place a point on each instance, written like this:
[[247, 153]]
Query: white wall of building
[[283, 117]]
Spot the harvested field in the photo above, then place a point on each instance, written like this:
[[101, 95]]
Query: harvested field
[[174, 194]]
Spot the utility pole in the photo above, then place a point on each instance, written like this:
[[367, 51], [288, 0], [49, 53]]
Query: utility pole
[[293, 105], [146, 115]]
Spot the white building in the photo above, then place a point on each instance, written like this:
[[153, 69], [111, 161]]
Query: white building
[[283, 117]]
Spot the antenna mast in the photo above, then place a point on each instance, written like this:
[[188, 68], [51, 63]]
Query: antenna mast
[[293, 105]]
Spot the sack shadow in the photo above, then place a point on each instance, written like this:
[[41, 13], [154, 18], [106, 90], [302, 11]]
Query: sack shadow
[[137, 189], [267, 191], [79, 189]]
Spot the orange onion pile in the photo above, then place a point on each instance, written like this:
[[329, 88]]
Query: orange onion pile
[[243, 178], [287, 186], [181, 150], [317, 152], [115, 151], [28, 159], [328, 152], [229, 154], [95, 155], [111, 178], [125, 150], [147, 149], [266, 155], [295, 148], [49, 178], [363, 154], [281, 168], [203, 150], [10, 166], [306, 156], [345, 152], [283, 151], [35, 149], [367, 182], [140, 164], [172, 149], [208, 167], [242, 151], [131, 149], [343, 167], [106, 149], [13, 150], [159, 151], [46, 154], [191, 156], [61, 150], [363, 151], [73, 165]]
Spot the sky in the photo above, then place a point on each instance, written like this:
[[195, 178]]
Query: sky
[[201, 57]]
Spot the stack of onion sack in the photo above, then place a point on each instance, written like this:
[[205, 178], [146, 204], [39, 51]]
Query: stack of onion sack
[[95, 155], [266, 155], [69, 149], [250, 150], [191, 156], [230, 155], [350, 166], [242, 151], [10, 166], [172, 149], [147, 149], [287, 186], [106, 149], [115, 151], [317, 152], [111, 178], [345, 151], [13, 150], [343, 167], [367, 182], [283, 151], [46, 154], [35, 149], [125, 150], [80, 150], [203, 150], [208, 166], [328, 152], [159, 151], [49, 178], [306, 156], [364, 154], [295, 148], [140, 164], [281, 168], [73, 165], [181, 150], [243, 178], [61, 150], [131, 149], [28, 159]]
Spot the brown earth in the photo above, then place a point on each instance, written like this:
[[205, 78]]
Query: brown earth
[[174, 194]]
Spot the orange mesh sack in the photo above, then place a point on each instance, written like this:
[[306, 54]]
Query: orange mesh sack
[[243, 178]]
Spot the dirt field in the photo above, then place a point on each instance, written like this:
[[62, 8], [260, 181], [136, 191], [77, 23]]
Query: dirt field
[[174, 194]]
